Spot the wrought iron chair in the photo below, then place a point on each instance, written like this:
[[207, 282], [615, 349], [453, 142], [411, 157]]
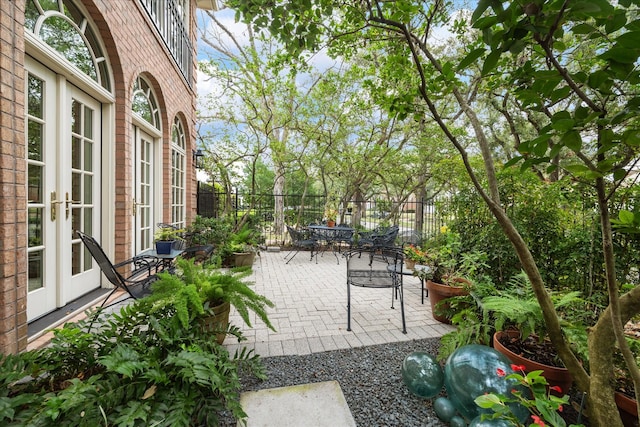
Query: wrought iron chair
[[141, 271], [301, 240], [378, 268], [379, 238]]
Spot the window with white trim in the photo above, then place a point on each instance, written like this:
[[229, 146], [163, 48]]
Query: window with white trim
[[178, 174]]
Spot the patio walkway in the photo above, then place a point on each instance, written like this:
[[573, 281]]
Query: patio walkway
[[310, 313]]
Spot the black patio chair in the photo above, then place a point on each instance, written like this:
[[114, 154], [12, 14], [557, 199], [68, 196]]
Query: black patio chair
[[379, 238], [301, 240], [141, 271], [371, 267]]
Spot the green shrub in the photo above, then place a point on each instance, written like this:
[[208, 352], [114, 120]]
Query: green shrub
[[137, 369]]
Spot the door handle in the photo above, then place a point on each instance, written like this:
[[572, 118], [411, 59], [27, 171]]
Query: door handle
[[54, 208], [134, 206], [67, 203]]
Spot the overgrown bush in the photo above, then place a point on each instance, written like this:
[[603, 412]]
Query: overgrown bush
[[137, 369], [561, 230]]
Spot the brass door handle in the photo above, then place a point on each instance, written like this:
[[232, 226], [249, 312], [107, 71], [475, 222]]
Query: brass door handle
[[67, 203], [134, 206], [54, 202]]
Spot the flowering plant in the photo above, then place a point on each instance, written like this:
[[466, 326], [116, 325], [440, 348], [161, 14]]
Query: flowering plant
[[416, 254], [534, 394], [330, 214]]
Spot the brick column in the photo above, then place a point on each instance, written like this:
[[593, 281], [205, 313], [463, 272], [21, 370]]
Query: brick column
[[13, 264]]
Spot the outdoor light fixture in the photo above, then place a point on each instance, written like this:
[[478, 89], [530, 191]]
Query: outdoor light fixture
[[197, 155]]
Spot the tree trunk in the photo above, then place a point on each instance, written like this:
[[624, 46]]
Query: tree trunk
[[278, 203]]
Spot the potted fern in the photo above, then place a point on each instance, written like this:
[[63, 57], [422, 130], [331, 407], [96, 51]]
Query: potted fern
[[200, 291], [243, 246]]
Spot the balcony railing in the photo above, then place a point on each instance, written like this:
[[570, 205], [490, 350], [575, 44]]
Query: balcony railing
[[167, 19]]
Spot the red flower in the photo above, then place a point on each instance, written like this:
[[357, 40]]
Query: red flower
[[560, 408], [500, 372], [537, 420], [556, 388], [518, 368]]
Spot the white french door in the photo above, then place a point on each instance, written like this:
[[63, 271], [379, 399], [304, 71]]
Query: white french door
[[144, 197], [63, 167]]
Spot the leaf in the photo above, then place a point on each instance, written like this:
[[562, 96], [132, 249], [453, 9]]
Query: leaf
[[572, 140], [491, 62], [629, 40], [149, 392], [470, 58], [626, 217], [488, 401], [483, 5]]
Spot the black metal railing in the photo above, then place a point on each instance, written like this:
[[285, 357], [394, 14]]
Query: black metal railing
[[168, 20], [416, 219]]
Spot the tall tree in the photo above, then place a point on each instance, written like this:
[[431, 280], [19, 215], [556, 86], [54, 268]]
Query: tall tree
[[593, 103]]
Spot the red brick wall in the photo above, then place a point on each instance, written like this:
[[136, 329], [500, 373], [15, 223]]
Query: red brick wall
[[13, 268], [134, 49]]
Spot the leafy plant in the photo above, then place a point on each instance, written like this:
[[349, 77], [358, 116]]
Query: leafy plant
[[138, 368], [196, 287], [168, 234], [416, 254], [531, 391], [518, 308]]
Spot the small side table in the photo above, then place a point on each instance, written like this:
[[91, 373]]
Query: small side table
[[407, 272]]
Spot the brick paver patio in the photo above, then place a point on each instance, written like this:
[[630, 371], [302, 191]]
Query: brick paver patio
[[310, 313]]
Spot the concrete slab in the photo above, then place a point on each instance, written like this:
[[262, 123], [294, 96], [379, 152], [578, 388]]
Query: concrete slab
[[317, 404]]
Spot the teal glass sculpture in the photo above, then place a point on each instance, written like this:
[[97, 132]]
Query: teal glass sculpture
[[422, 374], [471, 371], [457, 421], [478, 422], [444, 409]]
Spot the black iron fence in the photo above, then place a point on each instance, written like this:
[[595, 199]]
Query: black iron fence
[[416, 218]]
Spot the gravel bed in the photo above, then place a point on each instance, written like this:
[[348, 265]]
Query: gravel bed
[[370, 379]]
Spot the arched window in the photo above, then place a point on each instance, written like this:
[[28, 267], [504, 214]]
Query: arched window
[[61, 25], [178, 174], [144, 103]]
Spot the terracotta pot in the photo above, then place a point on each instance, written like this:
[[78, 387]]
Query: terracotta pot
[[554, 375], [409, 263], [331, 223], [218, 322], [628, 410], [437, 292], [242, 259]]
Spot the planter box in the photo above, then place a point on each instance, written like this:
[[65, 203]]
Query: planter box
[[437, 292], [218, 322], [242, 259], [554, 375], [163, 247]]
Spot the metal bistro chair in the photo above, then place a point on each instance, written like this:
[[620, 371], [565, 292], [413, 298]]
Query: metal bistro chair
[[378, 238], [135, 283], [301, 239], [375, 268]]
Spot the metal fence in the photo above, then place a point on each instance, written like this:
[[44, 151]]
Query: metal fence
[[416, 219]]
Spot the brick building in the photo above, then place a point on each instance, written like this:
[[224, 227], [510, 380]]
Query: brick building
[[97, 119]]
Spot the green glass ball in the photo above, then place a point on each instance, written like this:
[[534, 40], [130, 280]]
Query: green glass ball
[[478, 422], [471, 371], [422, 374], [444, 409], [457, 421]]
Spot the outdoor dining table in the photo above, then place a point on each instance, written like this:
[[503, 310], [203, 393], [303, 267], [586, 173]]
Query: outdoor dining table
[[166, 259], [332, 236]]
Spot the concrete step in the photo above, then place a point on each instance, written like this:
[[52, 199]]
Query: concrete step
[[317, 404]]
